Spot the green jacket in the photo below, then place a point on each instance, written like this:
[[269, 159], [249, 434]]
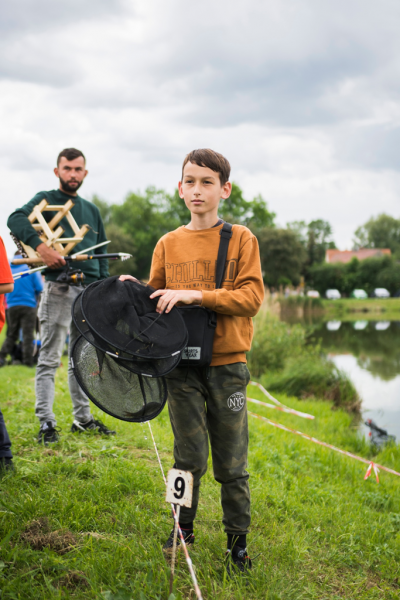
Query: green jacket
[[84, 212]]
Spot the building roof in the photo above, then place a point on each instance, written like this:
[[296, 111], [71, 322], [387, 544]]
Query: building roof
[[345, 256]]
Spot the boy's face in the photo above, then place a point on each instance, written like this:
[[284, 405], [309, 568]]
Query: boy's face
[[201, 189]]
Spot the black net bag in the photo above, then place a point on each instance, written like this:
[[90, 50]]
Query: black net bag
[[122, 314], [113, 388], [136, 364]]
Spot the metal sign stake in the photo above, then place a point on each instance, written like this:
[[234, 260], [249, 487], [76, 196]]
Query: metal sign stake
[[171, 581], [179, 493]]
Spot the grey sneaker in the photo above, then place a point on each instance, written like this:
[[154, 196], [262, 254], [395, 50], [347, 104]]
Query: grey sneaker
[[48, 434], [93, 425]]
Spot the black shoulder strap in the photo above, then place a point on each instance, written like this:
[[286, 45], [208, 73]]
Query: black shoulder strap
[[226, 234]]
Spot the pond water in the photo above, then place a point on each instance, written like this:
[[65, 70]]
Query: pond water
[[369, 352]]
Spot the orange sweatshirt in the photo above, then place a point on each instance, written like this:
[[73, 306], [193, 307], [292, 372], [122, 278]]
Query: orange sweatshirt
[[186, 260]]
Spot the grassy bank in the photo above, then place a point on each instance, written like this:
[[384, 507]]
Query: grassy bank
[[370, 308], [86, 518], [287, 360], [345, 309]]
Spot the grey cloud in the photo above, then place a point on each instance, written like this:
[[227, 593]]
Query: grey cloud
[[38, 38], [254, 75], [38, 16], [372, 147]]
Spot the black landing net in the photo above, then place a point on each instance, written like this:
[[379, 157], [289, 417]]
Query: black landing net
[[113, 388]]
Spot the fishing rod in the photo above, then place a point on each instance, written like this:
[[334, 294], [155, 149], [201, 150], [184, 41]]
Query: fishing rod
[[25, 261], [32, 261], [77, 277]]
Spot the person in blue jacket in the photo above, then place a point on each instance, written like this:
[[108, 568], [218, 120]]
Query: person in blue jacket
[[21, 314]]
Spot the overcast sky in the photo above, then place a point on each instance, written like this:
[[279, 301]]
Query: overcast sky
[[302, 96]]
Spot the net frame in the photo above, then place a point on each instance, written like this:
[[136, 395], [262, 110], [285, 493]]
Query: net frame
[[135, 354], [136, 364], [75, 362]]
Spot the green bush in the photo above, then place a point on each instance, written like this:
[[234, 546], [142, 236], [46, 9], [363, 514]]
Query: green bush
[[286, 362], [274, 342], [314, 376]]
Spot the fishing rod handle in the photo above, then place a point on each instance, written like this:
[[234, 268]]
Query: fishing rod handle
[[27, 261], [92, 256]]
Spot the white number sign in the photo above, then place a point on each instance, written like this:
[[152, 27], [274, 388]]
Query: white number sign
[[179, 487]]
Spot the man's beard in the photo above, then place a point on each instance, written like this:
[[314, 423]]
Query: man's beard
[[70, 189]]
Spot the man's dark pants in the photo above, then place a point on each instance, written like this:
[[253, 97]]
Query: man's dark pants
[[20, 317], [5, 443], [210, 403]]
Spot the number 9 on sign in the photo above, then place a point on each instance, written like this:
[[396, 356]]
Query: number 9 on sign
[[179, 487]]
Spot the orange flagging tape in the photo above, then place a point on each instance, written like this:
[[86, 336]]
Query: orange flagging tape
[[370, 463]]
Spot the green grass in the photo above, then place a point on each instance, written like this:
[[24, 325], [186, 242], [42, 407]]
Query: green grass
[[321, 530], [345, 309], [314, 376]]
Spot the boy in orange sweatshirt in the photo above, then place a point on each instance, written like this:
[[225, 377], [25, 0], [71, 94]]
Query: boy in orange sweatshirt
[[210, 402]]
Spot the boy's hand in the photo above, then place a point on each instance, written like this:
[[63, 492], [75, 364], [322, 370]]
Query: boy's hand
[[168, 298], [128, 278]]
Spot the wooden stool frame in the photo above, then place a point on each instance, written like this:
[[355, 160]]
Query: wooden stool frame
[[50, 234]]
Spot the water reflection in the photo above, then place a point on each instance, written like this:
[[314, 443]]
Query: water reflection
[[375, 345], [369, 351], [333, 325], [380, 397]]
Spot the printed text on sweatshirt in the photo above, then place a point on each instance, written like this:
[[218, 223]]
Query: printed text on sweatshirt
[[186, 259]]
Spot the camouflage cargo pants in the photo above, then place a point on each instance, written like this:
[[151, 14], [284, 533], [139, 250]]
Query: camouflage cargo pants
[[210, 403]]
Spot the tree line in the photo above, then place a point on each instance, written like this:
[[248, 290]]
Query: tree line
[[287, 253], [382, 231]]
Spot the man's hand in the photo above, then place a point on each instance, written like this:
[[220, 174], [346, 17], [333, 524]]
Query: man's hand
[[50, 257], [168, 298]]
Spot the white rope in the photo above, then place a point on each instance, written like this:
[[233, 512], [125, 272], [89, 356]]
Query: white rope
[[184, 546], [262, 388], [279, 406], [282, 408]]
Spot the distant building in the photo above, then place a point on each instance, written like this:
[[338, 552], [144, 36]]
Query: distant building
[[345, 256]]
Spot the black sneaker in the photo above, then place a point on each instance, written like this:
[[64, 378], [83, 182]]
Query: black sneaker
[[48, 434], [6, 465], [93, 425], [237, 561], [188, 536]]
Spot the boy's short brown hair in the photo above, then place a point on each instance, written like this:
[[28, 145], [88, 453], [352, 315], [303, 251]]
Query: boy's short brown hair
[[211, 159]]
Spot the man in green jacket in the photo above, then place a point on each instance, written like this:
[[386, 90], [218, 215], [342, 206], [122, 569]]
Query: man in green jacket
[[55, 305]]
